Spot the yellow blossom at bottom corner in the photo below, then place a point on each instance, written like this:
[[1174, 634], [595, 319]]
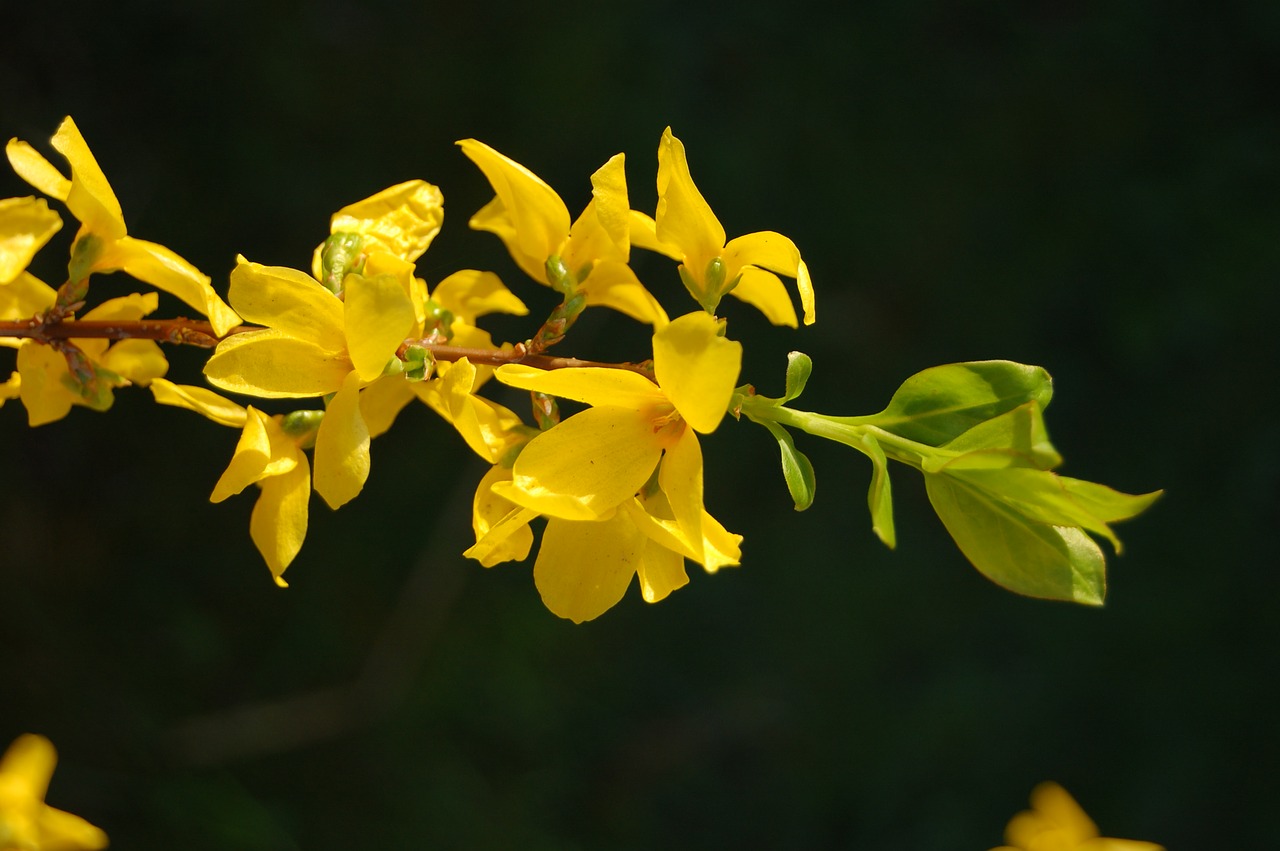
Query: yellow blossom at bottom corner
[[26, 821], [1056, 822]]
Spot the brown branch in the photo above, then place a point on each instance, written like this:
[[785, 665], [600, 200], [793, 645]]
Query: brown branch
[[193, 332]]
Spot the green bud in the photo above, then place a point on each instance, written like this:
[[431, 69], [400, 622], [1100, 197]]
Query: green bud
[[418, 363], [302, 426], [441, 318], [799, 366], [339, 257], [715, 278]]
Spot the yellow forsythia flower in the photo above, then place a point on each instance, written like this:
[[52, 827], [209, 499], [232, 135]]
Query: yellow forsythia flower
[[533, 222], [1056, 822], [103, 244], [591, 475], [27, 823], [685, 229]]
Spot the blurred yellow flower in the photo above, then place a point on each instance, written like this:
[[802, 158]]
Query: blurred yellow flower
[[1056, 822], [26, 224], [27, 823]]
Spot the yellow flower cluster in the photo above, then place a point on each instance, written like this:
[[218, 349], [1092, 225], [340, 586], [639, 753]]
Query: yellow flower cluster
[[619, 484], [27, 823]]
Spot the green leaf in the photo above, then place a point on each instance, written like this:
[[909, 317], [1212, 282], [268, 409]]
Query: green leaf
[[1106, 504], [1021, 431], [796, 468], [940, 404], [1036, 559], [799, 366], [880, 494]]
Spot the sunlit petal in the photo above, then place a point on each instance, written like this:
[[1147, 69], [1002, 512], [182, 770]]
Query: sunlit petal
[[26, 224], [684, 218], [540, 218], [42, 392], [584, 568], [199, 399], [342, 447], [139, 361], [28, 763], [766, 292], [612, 209], [250, 459], [90, 199], [777, 253], [501, 528], [25, 296], [32, 167], [469, 294], [378, 317], [680, 478], [661, 571], [278, 524], [401, 220], [272, 365], [290, 302], [588, 464], [599, 386], [697, 368], [382, 401], [613, 284], [644, 235]]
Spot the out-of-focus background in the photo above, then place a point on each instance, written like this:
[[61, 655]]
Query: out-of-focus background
[[1089, 188]]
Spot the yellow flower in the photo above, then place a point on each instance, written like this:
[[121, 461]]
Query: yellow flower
[[26, 224], [592, 475], [315, 344], [102, 244], [1056, 823], [26, 821], [590, 256], [46, 386], [685, 229], [270, 455]]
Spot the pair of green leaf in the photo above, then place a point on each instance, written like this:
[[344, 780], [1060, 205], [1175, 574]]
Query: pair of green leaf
[[976, 432]]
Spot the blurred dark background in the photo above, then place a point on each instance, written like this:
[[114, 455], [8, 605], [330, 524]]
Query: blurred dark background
[[1087, 187]]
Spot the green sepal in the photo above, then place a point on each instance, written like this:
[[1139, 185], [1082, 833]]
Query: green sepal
[[796, 467], [940, 404], [85, 251], [302, 426], [419, 363], [559, 276], [94, 384], [1035, 559]]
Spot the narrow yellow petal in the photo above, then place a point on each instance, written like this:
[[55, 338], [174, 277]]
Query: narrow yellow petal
[[165, 270], [766, 292], [583, 568], [125, 308], [588, 464], [494, 218], [26, 224], [290, 301], [42, 391], [612, 209], [382, 401], [540, 218], [272, 365], [644, 234], [469, 294], [32, 167], [342, 447], [401, 220], [680, 478], [25, 296], [378, 317], [198, 399], [278, 524], [90, 199], [684, 218], [661, 571], [613, 284], [487, 427], [501, 528], [28, 763], [62, 830], [600, 386], [777, 253], [139, 361], [249, 461], [697, 369]]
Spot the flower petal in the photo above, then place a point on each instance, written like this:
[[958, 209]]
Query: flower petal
[[661, 571], [42, 392], [26, 224], [289, 301], [613, 284], [680, 478], [278, 524], [612, 210], [644, 234], [28, 764], [139, 361], [342, 447], [487, 427], [469, 294], [249, 462], [765, 292], [584, 568], [32, 167], [697, 369], [25, 296], [272, 365], [774, 252], [684, 217], [382, 401], [600, 386], [401, 220], [165, 270], [379, 316], [588, 464], [540, 219], [90, 199], [198, 399], [501, 527]]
